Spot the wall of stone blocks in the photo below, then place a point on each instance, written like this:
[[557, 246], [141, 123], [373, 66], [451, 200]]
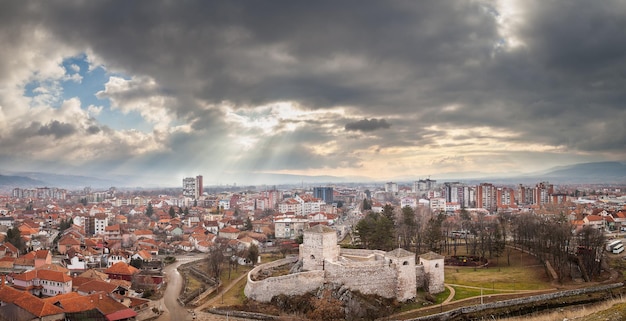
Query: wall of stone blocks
[[292, 284], [377, 278]]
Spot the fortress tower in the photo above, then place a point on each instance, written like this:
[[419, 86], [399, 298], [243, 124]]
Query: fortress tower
[[433, 270], [319, 244], [404, 262]]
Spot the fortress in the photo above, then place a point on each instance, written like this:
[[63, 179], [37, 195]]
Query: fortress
[[392, 274]]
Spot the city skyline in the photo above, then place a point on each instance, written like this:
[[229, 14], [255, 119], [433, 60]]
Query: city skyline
[[165, 90]]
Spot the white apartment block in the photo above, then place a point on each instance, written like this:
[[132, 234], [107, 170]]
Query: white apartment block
[[408, 201], [289, 228], [438, 204]]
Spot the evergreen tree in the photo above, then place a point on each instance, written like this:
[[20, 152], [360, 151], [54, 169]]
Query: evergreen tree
[[149, 210], [388, 213], [14, 236], [253, 254], [172, 212], [247, 225], [138, 263], [376, 232], [434, 236], [366, 205]]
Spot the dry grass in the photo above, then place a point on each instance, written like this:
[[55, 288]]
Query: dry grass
[[599, 311], [524, 273]]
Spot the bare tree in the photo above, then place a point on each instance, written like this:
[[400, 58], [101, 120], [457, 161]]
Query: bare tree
[[215, 258]]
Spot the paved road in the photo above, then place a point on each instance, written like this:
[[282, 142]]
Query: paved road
[[175, 311]]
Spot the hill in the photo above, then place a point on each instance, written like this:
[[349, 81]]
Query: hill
[[10, 182]]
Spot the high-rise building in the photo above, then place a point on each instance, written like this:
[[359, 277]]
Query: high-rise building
[[486, 196], [505, 197], [324, 193], [192, 187], [423, 185], [542, 193], [391, 187], [461, 194]]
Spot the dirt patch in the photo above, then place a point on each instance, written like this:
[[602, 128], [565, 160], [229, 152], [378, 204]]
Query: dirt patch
[[465, 260]]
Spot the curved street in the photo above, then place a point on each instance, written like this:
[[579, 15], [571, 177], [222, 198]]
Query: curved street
[[169, 303]]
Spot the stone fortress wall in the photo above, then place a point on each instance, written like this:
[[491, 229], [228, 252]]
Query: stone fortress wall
[[291, 284], [391, 274]]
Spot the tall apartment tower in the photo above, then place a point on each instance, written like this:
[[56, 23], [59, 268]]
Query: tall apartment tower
[[543, 192], [391, 187], [324, 193], [192, 187], [486, 196]]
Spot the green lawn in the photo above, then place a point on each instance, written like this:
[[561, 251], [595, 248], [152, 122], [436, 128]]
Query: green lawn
[[463, 292]]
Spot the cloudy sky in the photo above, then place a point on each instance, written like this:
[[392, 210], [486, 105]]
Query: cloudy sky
[[382, 89]]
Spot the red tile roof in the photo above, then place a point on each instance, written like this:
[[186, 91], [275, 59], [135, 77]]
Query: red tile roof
[[229, 229], [96, 286], [121, 268], [37, 306], [121, 315], [41, 254], [9, 294]]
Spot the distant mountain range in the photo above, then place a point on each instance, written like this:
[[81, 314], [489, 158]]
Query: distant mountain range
[[586, 173], [598, 172]]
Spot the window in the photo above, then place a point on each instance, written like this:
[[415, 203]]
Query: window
[[436, 265], [405, 263]]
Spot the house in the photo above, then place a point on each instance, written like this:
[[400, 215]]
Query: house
[[8, 249], [7, 221], [595, 221], [28, 306], [93, 286], [45, 282], [75, 263], [121, 271], [113, 232], [117, 256], [327, 218], [25, 262], [148, 244], [289, 227], [143, 255], [212, 226], [68, 242], [99, 306], [229, 232], [184, 246], [139, 234]]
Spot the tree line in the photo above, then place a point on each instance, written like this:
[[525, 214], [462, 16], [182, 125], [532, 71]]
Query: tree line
[[551, 238]]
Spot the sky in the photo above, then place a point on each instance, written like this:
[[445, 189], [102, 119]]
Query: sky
[[377, 89]]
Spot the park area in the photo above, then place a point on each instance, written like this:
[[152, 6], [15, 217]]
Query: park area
[[517, 275], [514, 275]]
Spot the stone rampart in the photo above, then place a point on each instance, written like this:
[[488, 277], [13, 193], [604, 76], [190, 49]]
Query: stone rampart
[[420, 277], [361, 252], [291, 284], [380, 278]]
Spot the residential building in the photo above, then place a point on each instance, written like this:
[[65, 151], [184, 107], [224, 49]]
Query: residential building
[[192, 187], [324, 193]]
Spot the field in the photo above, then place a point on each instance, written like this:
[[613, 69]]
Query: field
[[524, 273]]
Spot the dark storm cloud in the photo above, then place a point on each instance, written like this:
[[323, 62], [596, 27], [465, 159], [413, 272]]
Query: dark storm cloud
[[367, 125], [55, 128], [430, 63], [93, 129]]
